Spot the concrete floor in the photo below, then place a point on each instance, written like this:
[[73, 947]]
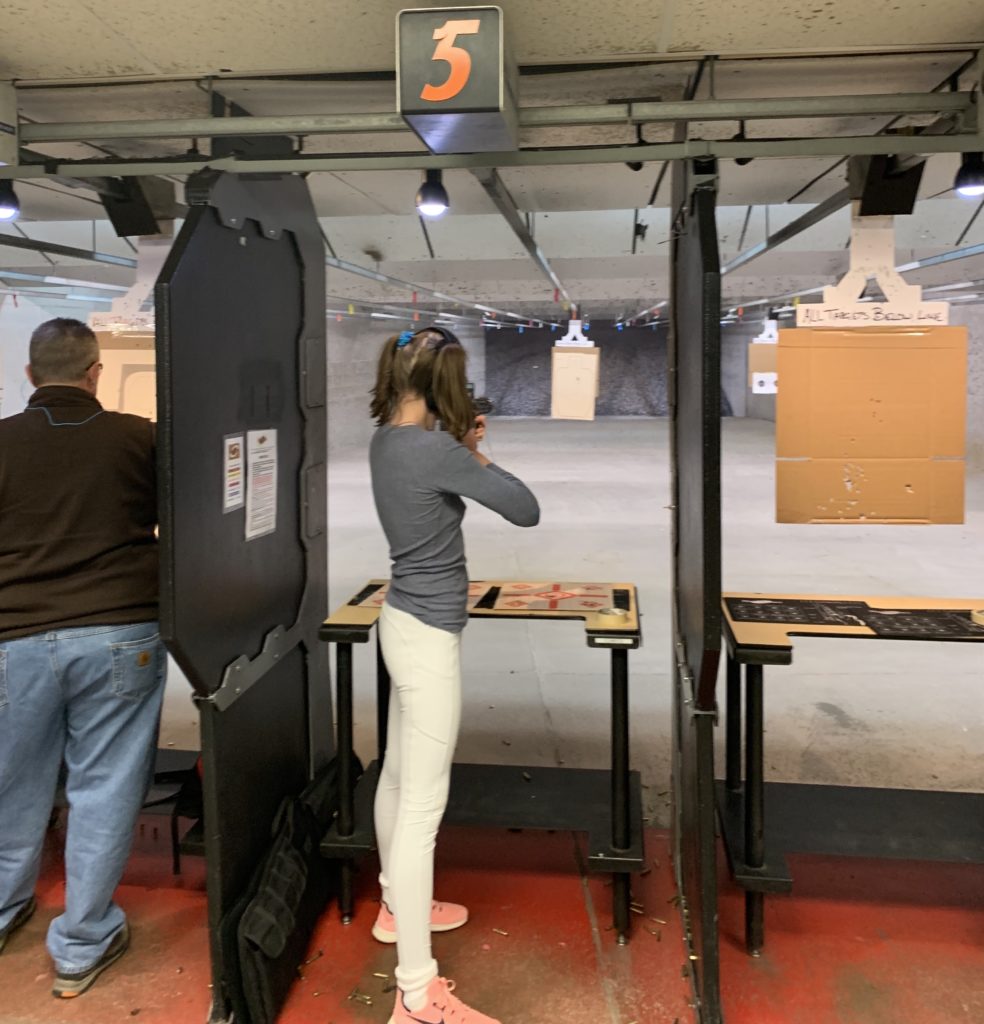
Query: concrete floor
[[858, 942], [909, 715]]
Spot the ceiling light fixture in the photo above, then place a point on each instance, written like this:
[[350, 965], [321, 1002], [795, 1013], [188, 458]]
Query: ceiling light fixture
[[637, 165], [742, 161], [432, 198], [969, 181], [9, 204]]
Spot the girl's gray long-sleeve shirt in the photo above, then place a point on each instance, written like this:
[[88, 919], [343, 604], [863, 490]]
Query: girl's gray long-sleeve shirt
[[418, 480]]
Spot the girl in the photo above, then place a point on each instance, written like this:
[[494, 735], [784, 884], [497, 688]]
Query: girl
[[419, 476]]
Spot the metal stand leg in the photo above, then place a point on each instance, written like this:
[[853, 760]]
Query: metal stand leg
[[754, 805], [346, 786], [175, 845], [620, 786], [733, 727], [382, 701]]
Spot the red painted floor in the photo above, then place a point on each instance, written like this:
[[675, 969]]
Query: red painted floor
[[859, 942]]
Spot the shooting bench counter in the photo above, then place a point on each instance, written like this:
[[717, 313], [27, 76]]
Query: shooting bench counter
[[606, 804], [848, 820]]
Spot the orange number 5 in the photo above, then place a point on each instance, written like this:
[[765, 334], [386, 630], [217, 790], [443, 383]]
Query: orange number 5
[[458, 59]]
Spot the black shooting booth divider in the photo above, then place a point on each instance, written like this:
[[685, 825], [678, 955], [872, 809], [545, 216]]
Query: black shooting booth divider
[[695, 389], [242, 477]]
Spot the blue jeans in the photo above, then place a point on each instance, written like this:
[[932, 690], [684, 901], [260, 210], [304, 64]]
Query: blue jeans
[[91, 696]]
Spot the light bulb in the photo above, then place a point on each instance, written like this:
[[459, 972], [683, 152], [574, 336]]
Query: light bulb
[[9, 204], [969, 181], [432, 197]]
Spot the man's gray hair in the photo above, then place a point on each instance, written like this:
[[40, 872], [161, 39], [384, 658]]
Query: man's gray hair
[[62, 350]]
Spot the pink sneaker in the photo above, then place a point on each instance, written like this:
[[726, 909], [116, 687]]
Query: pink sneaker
[[442, 1007], [445, 917]]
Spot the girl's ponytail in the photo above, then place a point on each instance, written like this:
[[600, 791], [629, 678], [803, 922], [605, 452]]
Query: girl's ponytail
[[449, 389], [384, 394]]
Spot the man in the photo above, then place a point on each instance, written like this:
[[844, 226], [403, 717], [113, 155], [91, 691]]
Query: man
[[81, 663]]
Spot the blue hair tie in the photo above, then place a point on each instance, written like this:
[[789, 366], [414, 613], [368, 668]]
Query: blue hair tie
[[404, 339]]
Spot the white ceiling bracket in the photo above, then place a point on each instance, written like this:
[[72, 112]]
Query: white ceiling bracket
[[151, 254], [872, 257], [574, 337]]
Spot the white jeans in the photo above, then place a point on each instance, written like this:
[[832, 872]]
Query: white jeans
[[424, 664]]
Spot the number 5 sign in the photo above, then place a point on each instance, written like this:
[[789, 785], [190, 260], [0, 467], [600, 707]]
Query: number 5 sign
[[453, 88], [458, 59]]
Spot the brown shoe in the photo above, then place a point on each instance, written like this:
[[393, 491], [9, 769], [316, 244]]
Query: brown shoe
[[70, 985], [22, 916]]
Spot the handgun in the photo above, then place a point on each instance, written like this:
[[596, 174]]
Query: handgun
[[482, 406]]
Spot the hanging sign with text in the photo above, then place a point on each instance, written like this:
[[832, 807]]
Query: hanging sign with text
[[873, 314], [455, 87]]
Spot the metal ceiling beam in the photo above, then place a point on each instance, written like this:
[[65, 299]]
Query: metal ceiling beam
[[746, 109], [948, 84], [943, 257], [375, 314], [902, 268], [375, 275], [489, 179], [52, 249], [970, 223], [101, 186], [67, 282], [838, 201], [635, 60], [819, 212], [35, 293], [648, 311], [980, 94], [724, 149], [529, 117], [679, 130], [395, 309], [350, 268]]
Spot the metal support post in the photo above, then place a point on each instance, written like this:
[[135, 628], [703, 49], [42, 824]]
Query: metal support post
[[620, 786], [754, 805], [346, 787], [733, 727], [9, 143]]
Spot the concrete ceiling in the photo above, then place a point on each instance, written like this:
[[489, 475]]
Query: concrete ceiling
[[87, 60], [102, 38]]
